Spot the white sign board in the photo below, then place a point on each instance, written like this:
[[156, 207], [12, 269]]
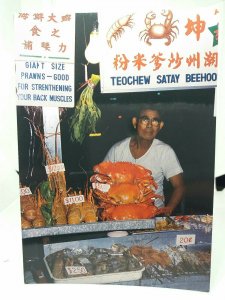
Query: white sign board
[[45, 50], [159, 49], [42, 82]]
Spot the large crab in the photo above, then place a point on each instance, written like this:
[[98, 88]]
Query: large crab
[[128, 183], [121, 172], [129, 212], [168, 30]]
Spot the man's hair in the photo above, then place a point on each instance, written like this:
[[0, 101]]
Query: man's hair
[[148, 106]]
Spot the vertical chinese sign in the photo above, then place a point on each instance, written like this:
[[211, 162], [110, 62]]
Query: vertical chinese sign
[[45, 59], [159, 48]]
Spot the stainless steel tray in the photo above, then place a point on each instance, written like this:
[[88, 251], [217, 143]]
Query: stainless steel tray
[[100, 278]]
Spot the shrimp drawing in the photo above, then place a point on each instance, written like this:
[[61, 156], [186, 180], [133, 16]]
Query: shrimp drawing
[[116, 30]]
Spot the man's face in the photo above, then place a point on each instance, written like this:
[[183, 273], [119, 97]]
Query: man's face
[[148, 124]]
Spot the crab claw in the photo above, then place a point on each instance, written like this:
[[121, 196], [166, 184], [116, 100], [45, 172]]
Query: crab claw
[[101, 178]]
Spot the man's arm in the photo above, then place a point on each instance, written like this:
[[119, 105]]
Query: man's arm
[[178, 185]]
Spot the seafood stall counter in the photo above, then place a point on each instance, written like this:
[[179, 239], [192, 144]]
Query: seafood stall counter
[[176, 253], [88, 227]]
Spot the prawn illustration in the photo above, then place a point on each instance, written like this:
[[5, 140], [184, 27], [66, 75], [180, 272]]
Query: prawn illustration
[[116, 30]]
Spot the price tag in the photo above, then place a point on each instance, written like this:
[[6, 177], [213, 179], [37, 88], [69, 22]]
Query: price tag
[[74, 199], [55, 168], [103, 187], [25, 191], [76, 270], [185, 239]]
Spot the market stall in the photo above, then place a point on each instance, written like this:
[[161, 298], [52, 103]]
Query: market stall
[[170, 252], [84, 222]]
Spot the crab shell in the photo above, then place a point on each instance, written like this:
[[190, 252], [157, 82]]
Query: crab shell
[[129, 212], [125, 193], [129, 183], [120, 172]]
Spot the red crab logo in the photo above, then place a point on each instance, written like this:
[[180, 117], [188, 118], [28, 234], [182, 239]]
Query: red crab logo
[[168, 30]]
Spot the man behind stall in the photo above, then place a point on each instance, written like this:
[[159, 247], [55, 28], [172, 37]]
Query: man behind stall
[[143, 148]]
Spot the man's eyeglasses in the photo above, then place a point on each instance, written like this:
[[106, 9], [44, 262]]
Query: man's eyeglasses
[[153, 121]]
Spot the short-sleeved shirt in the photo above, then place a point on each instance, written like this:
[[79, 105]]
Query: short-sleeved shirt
[[160, 159]]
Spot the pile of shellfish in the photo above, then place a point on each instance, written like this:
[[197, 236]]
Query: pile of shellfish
[[124, 191]]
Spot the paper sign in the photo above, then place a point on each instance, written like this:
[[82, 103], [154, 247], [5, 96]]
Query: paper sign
[[25, 191], [43, 83], [74, 199], [45, 51], [45, 34], [171, 48], [185, 239], [55, 168], [103, 187], [76, 270]]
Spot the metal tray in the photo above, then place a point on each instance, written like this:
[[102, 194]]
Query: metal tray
[[101, 278]]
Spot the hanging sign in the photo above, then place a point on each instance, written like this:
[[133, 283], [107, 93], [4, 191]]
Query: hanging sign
[[159, 48], [45, 44]]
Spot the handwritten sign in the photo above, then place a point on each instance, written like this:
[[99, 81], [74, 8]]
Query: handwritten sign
[[25, 191], [43, 83], [103, 187], [45, 51], [74, 199], [76, 270], [45, 34], [55, 168], [185, 239]]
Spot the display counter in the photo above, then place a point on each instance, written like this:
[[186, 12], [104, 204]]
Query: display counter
[[88, 227], [166, 252]]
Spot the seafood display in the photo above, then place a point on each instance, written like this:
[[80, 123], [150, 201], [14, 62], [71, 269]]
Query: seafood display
[[150, 256], [79, 263], [172, 261], [203, 223], [82, 212], [31, 215], [28, 207], [189, 262], [39, 220], [46, 206], [37, 209], [188, 222], [91, 263], [168, 223], [204, 219], [53, 190], [130, 194], [129, 211], [120, 191]]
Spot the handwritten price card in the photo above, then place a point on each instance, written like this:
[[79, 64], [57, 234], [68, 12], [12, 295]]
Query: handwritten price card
[[185, 239], [103, 187], [74, 199], [55, 168], [25, 191], [76, 270]]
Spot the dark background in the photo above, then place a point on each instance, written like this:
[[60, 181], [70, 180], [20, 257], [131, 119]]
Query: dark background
[[189, 129]]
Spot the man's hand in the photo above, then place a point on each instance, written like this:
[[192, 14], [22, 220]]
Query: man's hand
[[167, 211]]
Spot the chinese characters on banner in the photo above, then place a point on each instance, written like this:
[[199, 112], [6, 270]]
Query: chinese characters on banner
[[159, 49], [45, 44]]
